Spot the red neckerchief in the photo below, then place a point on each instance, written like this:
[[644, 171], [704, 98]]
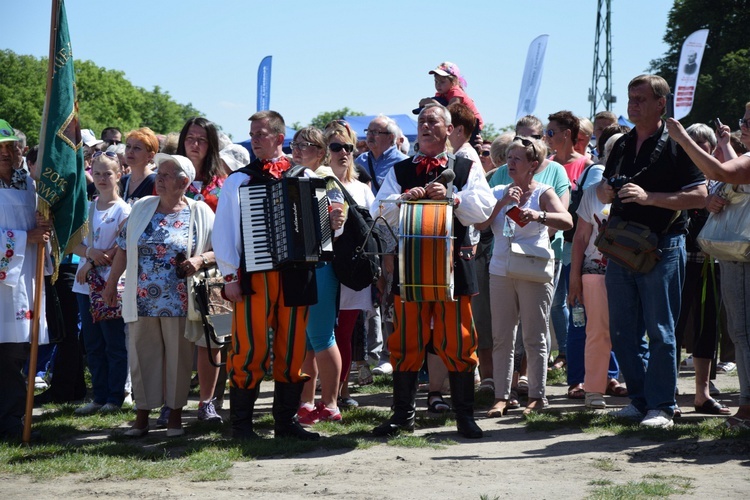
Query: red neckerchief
[[427, 164], [276, 166]]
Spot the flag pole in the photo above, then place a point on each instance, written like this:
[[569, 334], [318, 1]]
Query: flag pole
[[39, 278]]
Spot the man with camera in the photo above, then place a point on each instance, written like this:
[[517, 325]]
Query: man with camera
[[650, 182]]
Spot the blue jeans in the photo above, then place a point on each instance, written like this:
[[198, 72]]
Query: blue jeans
[[559, 314], [106, 353], [735, 292], [649, 302]]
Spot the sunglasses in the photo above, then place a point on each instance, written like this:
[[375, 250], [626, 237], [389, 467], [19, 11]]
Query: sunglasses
[[340, 122], [485, 153], [108, 154], [526, 143], [336, 147], [536, 136], [303, 146], [550, 132], [744, 123]]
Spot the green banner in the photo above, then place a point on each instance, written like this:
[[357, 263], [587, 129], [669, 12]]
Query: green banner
[[62, 184]]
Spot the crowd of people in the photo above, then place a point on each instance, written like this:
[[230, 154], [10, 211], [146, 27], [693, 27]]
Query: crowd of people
[[526, 214]]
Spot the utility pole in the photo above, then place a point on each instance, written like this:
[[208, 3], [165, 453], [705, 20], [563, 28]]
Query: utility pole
[[600, 93]]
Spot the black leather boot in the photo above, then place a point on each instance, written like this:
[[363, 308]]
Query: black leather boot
[[404, 403], [286, 397], [462, 398], [241, 407]]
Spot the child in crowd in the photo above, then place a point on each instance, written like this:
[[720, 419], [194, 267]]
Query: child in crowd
[[449, 87], [104, 340]]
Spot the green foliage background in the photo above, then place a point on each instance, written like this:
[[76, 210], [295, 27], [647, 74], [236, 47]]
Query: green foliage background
[[106, 98], [723, 82]]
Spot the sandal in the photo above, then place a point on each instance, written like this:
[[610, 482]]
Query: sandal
[[513, 403], [499, 409], [436, 403], [614, 388], [712, 407], [576, 392], [523, 385], [535, 405], [558, 364], [737, 423]]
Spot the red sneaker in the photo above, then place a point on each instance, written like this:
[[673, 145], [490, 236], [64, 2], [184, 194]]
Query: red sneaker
[[326, 414], [307, 414]]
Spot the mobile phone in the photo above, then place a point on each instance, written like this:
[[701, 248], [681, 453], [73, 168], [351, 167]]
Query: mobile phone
[[670, 105], [515, 214], [718, 123]]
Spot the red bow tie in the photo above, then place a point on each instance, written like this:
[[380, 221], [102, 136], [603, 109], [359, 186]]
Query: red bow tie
[[427, 164], [275, 168]]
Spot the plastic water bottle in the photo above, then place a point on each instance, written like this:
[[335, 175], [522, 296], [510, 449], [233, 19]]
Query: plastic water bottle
[[509, 228], [579, 316]]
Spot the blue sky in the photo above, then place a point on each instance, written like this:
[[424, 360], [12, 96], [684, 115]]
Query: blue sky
[[372, 57]]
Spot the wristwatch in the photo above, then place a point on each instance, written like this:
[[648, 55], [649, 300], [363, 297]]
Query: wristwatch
[[543, 218]]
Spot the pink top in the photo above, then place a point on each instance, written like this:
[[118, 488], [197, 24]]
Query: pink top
[[457, 91]]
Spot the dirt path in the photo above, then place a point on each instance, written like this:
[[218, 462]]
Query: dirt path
[[509, 462]]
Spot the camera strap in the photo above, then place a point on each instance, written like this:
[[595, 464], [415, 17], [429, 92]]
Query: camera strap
[[652, 159]]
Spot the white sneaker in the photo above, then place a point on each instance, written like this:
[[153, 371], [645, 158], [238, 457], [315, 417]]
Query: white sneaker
[[726, 367], [40, 383], [88, 409], [384, 368], [630, 412], [687, 362], [657, 419]]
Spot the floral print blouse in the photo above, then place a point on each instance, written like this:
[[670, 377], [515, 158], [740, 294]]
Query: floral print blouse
[[160, 292], [208, 193]]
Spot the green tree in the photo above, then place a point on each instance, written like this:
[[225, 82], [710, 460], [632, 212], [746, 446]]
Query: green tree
[[323, 118], [22, 83], [106, 98], [722, 84]]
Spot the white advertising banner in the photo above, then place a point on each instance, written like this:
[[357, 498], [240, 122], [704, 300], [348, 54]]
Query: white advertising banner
[[687, 72], [532, 76]]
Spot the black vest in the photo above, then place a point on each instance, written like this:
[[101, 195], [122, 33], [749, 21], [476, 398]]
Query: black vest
[[465, 276]]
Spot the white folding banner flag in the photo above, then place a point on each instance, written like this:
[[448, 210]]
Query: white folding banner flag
[[532, 76], [687, 72]]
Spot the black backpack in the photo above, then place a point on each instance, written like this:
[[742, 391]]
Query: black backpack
[[356, 262]]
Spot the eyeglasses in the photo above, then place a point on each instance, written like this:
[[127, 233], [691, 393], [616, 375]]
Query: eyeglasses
[[109, 154], [744, 123], [485, 153], [336, 147], [376, 132], [550, 132], [303, 146], [526, 143]]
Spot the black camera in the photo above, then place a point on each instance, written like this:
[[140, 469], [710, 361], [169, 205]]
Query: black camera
[[618, 181]]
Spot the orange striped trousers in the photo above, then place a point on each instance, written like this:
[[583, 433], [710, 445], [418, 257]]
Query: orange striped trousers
[[249, 356], [450, 325]]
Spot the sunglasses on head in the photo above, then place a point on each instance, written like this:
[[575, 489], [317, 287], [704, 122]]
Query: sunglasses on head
[[526, 143], [336, 147], [108, 154]]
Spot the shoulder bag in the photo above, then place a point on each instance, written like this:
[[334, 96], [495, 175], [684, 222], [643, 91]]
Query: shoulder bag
[[726, 235]]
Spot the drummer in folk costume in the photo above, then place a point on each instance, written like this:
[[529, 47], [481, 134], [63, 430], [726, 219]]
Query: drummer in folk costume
[[448, 323], [260, 298]]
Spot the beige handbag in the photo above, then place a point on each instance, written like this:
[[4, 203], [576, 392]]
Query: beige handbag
[[531, 263]]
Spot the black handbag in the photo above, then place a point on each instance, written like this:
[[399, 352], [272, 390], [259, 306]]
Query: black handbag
[[356, 263]]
